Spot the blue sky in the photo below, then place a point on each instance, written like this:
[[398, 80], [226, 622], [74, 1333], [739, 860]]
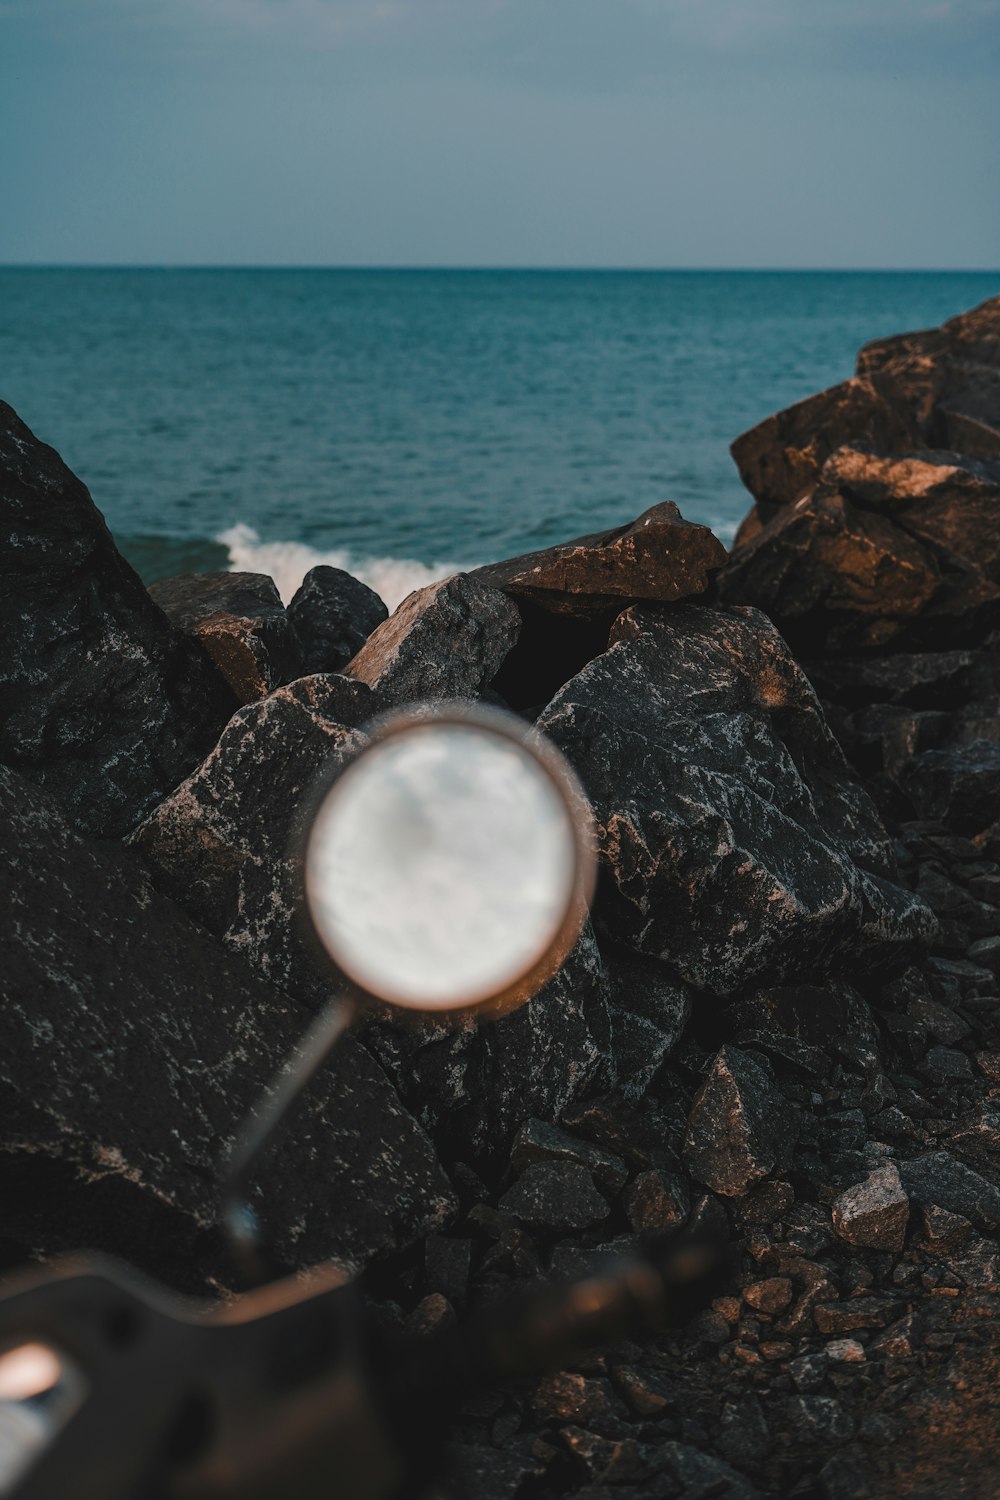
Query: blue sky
[[501, 132]]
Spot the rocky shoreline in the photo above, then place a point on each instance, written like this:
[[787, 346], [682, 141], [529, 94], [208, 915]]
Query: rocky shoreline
[[784, 1019]]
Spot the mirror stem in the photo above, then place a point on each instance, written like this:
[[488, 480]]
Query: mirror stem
[[239, 1220]]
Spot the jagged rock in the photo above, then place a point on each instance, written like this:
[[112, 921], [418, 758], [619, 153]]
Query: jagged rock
[[880, 553], [448, 640], [917, 680], [539, 1141], [874, 1213], [856, 1313], [940, 1231], [938, 1179], [659, 557], [740, 1127], [958, 785], [655, 1201], [649, 1011], [939, 388], [555, 1197], [832, 1018], [224, 845], [132, 1047], [737, 846], [770, 1296], [568, 596], [333, 613], [473, 1084], [101, 700], [241, 622]]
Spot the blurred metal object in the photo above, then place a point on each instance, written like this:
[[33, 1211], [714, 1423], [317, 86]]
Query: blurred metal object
[[291, 1392]]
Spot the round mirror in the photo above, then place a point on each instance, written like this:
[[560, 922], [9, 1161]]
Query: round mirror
[[450, 864]]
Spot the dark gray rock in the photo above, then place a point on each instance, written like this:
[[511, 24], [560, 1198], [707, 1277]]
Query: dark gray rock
[[958, 785], [225, 844], [873, 1214], [132, 1046], [737, 847], [101, 700], [473, 1084], [833, 1018], [448, 640], [555, 1197], [649, 1010], [917, 680], [333, 614], [880, 553], [537, 1140], [241, 622], [659, 557], [740, 1128], [939, 1179], [938, 388]]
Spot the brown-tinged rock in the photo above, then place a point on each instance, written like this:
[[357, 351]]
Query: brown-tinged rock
[[658, 557], [740, 1128], [873, 1214], [448, 640], [241, 622], [939, 388], [878, 554]]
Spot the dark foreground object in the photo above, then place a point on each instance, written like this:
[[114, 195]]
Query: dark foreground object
[[292, 1389]]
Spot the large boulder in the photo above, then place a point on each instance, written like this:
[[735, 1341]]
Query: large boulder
[[131, 1048], [658, 557], [241, 622], [447, 640], [226, 843], [939, 388], [102, 701], [879, 554], [735, 845], [569, 596], [334, 613]]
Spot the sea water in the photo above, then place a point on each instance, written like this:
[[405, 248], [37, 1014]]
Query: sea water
[[403, 424]]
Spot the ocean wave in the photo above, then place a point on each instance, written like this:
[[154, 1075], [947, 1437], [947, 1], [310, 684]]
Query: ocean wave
[[392, 578]]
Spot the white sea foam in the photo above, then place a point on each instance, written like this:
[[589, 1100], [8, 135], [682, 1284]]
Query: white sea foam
[[392, 578]]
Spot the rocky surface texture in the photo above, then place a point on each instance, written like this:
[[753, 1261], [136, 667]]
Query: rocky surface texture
[[784, 1025], [101, 700], [241, 622], [333, 615], [132, 1047]]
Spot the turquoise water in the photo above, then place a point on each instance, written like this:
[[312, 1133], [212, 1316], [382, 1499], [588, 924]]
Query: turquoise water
[[404, 422]]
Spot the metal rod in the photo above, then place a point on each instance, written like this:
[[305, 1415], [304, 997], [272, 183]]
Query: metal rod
[[239, 1220]]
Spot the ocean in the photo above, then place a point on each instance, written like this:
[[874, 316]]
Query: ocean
[[404, 424]]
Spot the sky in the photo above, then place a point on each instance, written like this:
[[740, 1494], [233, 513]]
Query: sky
[[648, 133]]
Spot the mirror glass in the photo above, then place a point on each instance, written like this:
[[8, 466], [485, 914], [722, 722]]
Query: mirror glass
[[443, 864]]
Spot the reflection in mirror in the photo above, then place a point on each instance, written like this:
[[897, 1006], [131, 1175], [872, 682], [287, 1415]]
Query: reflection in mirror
[[39, 1391], [444, 863]]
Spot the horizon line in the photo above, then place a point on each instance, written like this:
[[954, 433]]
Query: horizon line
[[494, 269]]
